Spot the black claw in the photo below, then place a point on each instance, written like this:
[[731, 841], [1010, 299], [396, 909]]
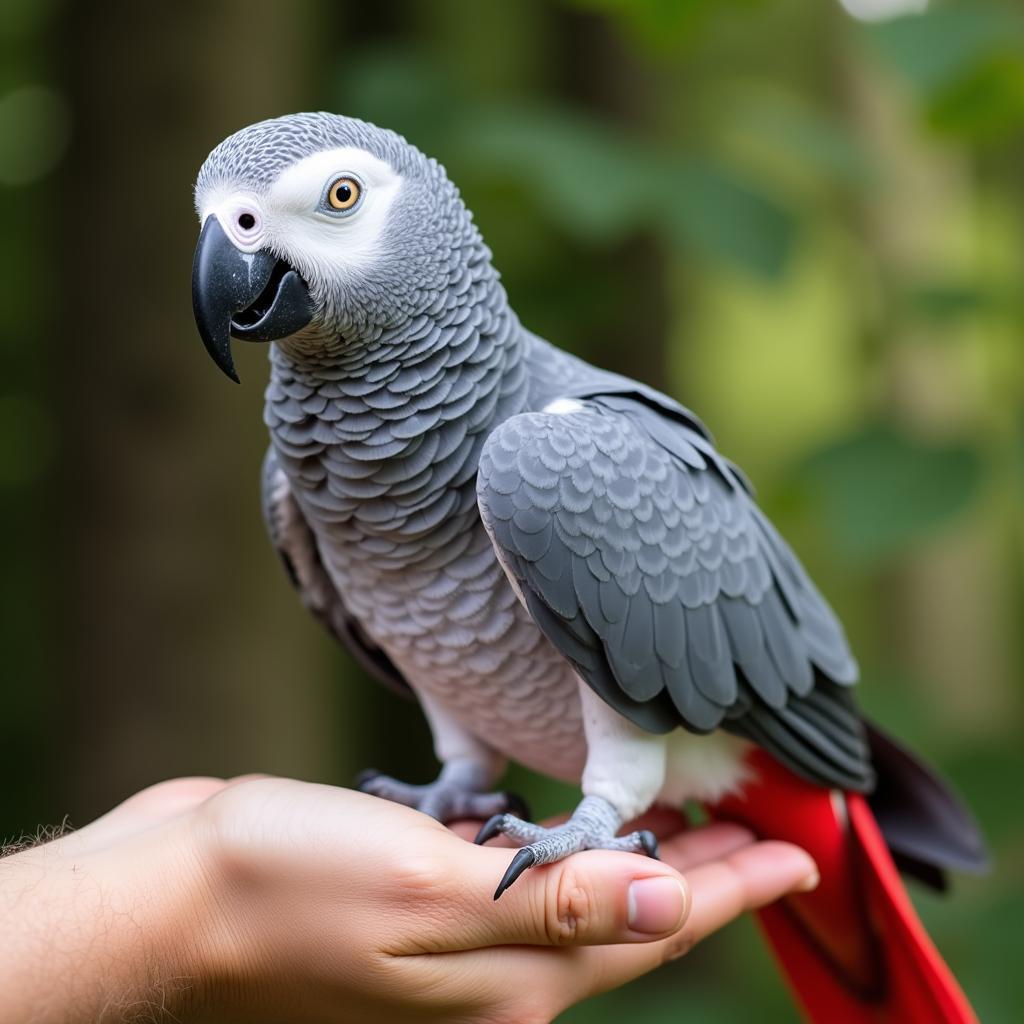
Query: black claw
[[365, 776], [520, 862], [516, 805], [649, 841], [492, 828]]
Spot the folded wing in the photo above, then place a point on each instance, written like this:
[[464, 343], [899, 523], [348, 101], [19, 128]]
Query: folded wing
[[640, 553]]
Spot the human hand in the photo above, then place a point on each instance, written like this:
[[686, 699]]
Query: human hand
[[284, 900]]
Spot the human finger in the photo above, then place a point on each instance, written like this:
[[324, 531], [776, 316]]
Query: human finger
[[685, 850], [597, 896]]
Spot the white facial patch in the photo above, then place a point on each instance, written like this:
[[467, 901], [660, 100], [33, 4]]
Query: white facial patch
[[291, 221], [563, 406], [323, 245]]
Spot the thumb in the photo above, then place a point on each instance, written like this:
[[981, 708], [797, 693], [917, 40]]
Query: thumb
[[592, 898]]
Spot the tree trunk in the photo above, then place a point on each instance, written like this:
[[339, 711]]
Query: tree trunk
[[184, 649]]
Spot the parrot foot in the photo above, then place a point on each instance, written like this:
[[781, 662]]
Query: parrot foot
[[450, 797], [592, 827]]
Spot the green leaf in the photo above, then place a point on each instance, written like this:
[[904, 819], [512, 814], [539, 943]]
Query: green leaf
[[711, 208], [406, 92], [946, 303], [662, 25], [599, 183], [590, 178], [881, 490], [936, 48], [985, 103], [794, 131]]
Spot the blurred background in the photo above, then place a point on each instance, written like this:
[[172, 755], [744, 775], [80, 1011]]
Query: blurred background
[[804, 219]]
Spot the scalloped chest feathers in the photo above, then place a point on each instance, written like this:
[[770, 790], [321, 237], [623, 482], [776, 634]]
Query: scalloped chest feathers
[[381, 456]]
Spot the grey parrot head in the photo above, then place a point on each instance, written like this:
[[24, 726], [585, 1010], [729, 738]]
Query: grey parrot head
[[324, 225]]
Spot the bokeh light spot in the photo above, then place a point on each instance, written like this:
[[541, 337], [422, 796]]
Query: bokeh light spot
[[34, 125], [882, 10]]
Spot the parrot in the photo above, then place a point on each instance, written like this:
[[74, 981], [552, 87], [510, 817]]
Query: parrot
[[555, 561]]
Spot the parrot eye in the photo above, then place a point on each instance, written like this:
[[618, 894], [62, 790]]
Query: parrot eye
[[343, 193]]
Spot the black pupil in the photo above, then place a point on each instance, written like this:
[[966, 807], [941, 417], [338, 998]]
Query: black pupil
[[343, 193], [246, 221]]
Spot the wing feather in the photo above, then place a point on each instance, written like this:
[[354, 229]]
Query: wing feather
[[641, 555]]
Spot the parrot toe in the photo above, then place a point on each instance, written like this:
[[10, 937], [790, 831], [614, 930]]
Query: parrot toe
[[593, 826], [442, 799]]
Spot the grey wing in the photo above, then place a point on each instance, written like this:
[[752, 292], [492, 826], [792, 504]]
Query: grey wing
[[295, 544], [640, 553]]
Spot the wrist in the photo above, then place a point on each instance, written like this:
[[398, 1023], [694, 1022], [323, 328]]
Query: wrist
[[158, 902], [94, 932], [227, 949]]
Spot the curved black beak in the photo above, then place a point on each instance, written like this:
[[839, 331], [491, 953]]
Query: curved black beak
[[252, 296]]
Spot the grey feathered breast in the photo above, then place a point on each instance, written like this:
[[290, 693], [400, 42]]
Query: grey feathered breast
[[296, 546]]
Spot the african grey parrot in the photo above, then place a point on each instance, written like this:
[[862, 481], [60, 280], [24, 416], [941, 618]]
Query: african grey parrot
[[552, 558]]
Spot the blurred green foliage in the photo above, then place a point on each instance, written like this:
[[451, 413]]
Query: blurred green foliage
[[965, 63], [881, 490], [806, 228]]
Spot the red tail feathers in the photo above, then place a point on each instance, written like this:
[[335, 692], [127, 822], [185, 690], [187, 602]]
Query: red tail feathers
[[854, 950]]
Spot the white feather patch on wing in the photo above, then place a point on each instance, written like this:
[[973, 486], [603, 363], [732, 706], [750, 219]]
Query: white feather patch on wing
[[563, 406]]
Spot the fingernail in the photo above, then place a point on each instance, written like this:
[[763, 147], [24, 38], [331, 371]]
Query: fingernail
[[656, 905], [809, 883]]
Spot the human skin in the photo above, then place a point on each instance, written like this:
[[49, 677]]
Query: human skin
[[266, 899]]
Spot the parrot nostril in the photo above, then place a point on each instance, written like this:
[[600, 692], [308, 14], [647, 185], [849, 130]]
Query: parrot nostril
[[246, 221]]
